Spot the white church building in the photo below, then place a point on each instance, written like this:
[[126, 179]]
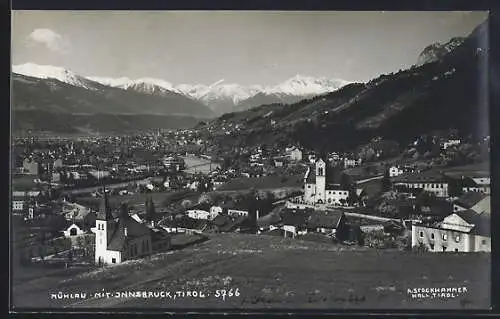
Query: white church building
[[322, 188], [119, 239]]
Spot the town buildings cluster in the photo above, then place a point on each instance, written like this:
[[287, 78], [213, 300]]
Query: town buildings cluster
[[49, 177]]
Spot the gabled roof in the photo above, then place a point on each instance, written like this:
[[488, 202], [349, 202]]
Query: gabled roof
[[134, 230], [481, 222], [328, 219], [437, 208], [269, 219], [468, 182], [294, 217], [421, 178], [470, 199]]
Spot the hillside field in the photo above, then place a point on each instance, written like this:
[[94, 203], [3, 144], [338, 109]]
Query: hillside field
[[269, 272]]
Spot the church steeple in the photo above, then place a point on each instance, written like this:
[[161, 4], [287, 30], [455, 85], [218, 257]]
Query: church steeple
[[104, 209]]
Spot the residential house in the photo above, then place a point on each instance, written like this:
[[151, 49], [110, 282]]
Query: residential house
[[161, 239], [214, 211], [432, 183], [226, 223], [326, 222], [279, 161], [477, 202], [322, 187], [294, 154], [58, 163], [56, 177], [218, 182], [73, 230], [476, 184], [395, 171], [350, 162], [18, 203], [31, 167], [294, 222], [99, 174], [198, 214], [270, 221], [462, 231], [23, 199], [450, 142], [311, 158]]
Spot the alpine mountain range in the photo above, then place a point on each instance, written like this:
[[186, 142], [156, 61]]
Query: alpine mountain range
[[220, 97], [54, 99]]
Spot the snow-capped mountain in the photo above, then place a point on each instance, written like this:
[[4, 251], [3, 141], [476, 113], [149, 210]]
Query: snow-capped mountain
[[219, 91], [225, 97], [143, 85], [220, 96], [305, 85], [51, 72], [437, 51]]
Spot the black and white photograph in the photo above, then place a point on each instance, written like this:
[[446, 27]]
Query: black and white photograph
[[249, 160]]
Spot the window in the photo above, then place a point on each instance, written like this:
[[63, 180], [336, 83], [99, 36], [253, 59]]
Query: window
[[483, 242], [432, 246], [432, 236], [113, 260], [457, 238], [72, 231], [421, 234], [308, 186], [445, 237], [456, 250], [444, 248]]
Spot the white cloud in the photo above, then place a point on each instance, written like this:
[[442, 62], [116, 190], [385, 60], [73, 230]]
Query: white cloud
[[51, 39]]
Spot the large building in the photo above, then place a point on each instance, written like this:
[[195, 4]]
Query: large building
[[466, 229], [322, 187], [462, 231], [435, 184]]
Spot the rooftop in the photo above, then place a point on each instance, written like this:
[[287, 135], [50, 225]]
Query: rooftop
[[470, 199], [421, 178], [481, 222]]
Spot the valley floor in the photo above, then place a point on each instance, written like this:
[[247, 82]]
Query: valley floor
[[269, 273]]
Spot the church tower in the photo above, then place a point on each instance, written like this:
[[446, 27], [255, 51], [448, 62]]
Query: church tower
[[320, 181], [104, 228]]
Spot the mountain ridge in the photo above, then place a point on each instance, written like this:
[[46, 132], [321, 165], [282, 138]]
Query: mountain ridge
[[221, 97], [440, 95]]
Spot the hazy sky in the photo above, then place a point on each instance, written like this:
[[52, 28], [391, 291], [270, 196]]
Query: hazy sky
[[254, 47]]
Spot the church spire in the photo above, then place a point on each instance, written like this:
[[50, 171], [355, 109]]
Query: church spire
[[104, 209]]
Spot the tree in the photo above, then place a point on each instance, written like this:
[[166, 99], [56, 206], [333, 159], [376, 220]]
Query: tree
[[345, 181], [226, 164], [124, 209], [150, 209], [455, 188], [386, 182]]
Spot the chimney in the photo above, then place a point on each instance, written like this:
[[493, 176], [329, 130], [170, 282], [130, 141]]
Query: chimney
[[125, 232]]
